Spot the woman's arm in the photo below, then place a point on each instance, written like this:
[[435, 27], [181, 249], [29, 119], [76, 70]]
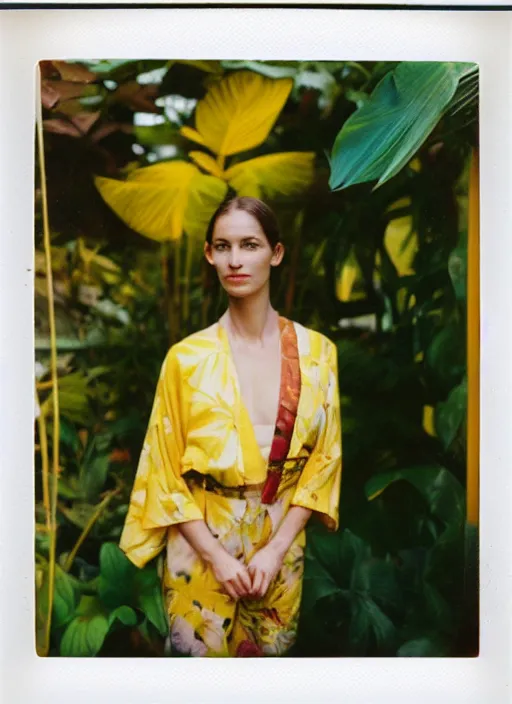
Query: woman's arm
[[228, 571], [266, 563]]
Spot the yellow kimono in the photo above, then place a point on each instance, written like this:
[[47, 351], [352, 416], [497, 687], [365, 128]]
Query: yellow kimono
[[199, 461]]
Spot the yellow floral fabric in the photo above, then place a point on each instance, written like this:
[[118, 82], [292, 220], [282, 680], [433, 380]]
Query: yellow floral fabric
[[200, 426]]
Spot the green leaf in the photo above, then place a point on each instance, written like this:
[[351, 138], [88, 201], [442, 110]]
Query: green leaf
[[450, 414], [382, 626], [125, 614], [457, 268], [117, 575], [86, 633], [79, 514], [441, 489], [154, 135], [65, 598], [422, 648], [121, 583], [149, 592], [93, 476], [318, 584], [68, 435], [382, 136]]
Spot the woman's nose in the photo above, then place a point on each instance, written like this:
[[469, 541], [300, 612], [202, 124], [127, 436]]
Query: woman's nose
[[234, 257]]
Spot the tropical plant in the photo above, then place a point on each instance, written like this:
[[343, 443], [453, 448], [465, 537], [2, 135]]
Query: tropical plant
[[382, 271]]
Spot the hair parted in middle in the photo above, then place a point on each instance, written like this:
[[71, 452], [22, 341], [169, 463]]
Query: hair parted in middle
[[255, 207]]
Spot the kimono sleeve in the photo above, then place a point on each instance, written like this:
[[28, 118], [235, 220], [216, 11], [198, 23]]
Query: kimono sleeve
[[318, 487], [160, 496]]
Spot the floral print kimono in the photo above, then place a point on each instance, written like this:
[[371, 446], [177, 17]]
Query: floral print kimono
[[201, 460]]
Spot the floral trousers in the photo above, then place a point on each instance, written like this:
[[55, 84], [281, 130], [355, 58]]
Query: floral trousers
[[203, 619]]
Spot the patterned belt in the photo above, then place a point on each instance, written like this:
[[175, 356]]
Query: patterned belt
[[207, 483]]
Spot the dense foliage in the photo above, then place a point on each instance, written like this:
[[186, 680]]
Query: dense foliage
[[137, 156]]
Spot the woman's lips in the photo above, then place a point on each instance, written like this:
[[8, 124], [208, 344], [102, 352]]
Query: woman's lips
[[238, 277]]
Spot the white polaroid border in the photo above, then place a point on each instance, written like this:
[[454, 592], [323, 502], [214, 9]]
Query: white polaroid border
[[27, 36]]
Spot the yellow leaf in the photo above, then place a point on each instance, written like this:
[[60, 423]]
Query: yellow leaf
[[428, 420], [239, 111], [192, 134], [402, 299], [400, 203], [153, 199], [285, 173], [205, 196], [349, 275], [401, 244], [207, 163]]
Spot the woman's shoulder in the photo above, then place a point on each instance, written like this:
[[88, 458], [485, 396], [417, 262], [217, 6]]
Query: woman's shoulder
[[193, 347], [312, 341]]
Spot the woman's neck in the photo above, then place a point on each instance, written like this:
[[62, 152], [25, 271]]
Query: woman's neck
[[252, 320]]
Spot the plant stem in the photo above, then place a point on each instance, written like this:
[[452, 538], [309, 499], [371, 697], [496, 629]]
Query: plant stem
[[92, 520], [43, 440], [53, 367]]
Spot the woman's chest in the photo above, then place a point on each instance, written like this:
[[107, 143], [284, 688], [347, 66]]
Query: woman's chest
[[259, 376]]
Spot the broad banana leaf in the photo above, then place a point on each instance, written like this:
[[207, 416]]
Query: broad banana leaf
[[154, 200], [238, 112], [207, 163], [205, 197], [285, 173], [384, 134]]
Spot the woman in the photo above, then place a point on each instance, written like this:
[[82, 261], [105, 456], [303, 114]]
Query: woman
[[243, 445]]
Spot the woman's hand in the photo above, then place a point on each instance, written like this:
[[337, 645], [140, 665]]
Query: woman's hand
[[232, 574], [263, 567]]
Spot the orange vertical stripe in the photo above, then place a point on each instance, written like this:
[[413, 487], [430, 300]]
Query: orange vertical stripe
[[473, 343]]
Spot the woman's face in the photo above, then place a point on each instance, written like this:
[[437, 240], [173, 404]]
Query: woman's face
[[241, 253]]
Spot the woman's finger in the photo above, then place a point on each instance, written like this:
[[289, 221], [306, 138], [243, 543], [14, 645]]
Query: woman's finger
[[257, 583], [245, 580], [264, 585], [231, 591], [237, 585]]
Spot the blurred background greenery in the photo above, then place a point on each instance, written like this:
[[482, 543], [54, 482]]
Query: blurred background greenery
[[372, 169]]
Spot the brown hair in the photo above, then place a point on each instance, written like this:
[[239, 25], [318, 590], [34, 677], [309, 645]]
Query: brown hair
[[255, 207]]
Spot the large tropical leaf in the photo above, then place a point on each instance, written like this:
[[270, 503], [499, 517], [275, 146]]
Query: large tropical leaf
[[285, 173], [383, 134], [440, 488], [238, 112], [154, 200]]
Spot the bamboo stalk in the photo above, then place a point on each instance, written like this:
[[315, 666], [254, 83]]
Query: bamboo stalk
[[87, 529], [43, 440], [473, 344], [53, 368], [44, 385]]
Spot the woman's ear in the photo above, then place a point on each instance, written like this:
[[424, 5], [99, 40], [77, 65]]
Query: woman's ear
[[208, 253], [277, 255]]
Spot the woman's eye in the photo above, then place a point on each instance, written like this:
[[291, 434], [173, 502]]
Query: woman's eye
[[251, 245], [219, 247]]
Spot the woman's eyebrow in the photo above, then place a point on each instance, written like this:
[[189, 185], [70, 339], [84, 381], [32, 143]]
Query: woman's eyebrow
[[243, 239]]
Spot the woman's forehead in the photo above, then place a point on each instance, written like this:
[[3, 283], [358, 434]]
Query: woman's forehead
[[237, 224]]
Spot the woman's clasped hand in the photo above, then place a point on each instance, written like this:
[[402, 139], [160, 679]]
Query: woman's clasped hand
[[250, 581]]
